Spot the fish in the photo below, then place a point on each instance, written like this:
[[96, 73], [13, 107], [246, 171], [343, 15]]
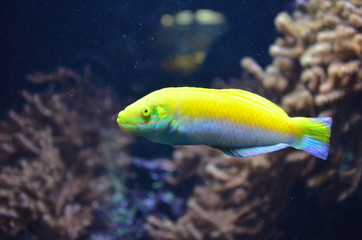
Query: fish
[[235, 121]]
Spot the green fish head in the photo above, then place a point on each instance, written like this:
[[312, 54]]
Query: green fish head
[[145, 119]]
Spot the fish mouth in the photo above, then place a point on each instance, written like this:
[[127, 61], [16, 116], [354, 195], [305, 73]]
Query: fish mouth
[[120, 120], [122, 123]]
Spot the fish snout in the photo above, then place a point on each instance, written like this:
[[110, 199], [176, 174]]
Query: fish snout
[[121, 118], [128, 120]]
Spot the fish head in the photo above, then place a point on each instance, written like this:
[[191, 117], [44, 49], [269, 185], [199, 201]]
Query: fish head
[[148, 117]]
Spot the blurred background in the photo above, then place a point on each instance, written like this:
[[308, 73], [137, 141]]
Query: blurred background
[[68, 172], [133, 47]]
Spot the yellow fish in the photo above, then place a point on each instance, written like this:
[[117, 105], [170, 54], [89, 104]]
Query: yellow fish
[[239, 123]]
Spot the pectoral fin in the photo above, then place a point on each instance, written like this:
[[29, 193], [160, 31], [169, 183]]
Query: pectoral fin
[[252, 151]]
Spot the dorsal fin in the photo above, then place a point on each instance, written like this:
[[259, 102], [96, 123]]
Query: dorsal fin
[[255, 99]]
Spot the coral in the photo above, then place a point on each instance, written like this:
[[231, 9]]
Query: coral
[[53, 157], [324, 78], [147, 193], [238, 197], [54, 154], [316, 71]]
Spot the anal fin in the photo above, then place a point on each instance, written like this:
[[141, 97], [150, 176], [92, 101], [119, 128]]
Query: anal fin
[[252, 151]]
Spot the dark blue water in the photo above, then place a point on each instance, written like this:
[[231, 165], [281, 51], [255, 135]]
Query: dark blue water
[[116, 38]]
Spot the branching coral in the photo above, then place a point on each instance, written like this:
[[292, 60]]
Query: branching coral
[[316, 71], [239, 197], [53, 157], [324, 79]]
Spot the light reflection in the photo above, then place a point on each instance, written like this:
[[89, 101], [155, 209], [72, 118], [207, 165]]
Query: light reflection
[[184, 17], [207, 16], [167, 20], [186, 37]]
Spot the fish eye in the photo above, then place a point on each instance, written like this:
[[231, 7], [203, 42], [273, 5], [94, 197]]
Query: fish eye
[[146, 111]]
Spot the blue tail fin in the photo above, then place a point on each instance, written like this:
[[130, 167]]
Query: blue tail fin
[[316, 133]]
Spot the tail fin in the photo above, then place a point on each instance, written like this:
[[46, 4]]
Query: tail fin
[[315, 135]]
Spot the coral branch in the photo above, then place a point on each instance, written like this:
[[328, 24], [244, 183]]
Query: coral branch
[[51, 175]]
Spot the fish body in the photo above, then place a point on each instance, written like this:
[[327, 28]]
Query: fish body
[[239, 123]]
